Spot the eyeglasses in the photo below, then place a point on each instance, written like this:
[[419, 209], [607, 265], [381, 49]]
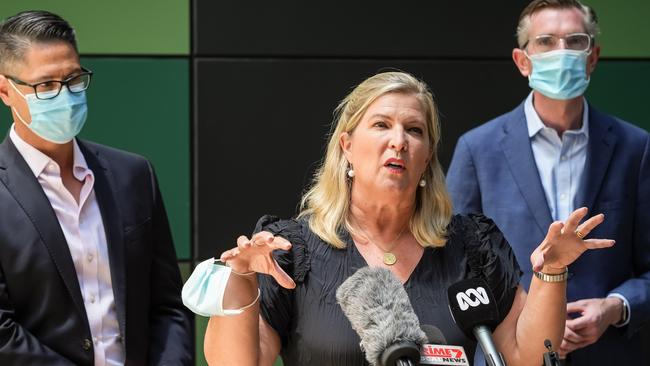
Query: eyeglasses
[[550, 42], [51, 88]]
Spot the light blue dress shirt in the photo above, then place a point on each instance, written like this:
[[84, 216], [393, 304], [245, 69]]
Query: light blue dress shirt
[[560, 160], [560, 163]]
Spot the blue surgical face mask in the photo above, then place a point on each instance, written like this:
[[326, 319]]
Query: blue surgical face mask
[[59, 119], [559, 74]]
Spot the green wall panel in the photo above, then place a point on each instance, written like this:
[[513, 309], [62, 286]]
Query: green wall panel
[[624, 27], [119, 26], [200, 325], [142, 105], [621, 88], [186, 270]]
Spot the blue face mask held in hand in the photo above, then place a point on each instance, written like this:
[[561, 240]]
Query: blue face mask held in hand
[[204, 291], [559, 74], [59, 119]]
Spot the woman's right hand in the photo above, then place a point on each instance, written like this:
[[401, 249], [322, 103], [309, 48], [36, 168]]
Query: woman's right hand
[[255, 254]]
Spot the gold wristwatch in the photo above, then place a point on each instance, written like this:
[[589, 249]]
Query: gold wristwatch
[[553, 277]]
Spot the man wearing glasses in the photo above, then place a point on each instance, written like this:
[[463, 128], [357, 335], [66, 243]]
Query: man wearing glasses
[[555, 153], [88, 272]]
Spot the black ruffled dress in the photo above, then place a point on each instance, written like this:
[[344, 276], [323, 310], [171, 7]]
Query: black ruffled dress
[[313, 329]]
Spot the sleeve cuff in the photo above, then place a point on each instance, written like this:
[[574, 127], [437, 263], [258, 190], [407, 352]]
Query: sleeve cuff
[[626, 312]]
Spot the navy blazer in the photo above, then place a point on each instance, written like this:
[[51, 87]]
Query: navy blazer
[[493, 171], [42, 316]]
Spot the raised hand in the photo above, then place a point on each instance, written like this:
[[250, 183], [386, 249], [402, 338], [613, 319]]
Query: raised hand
[[254, 255], [565, 242]]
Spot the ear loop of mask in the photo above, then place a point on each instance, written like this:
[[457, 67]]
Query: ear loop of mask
[[14, 109], [231, 312]]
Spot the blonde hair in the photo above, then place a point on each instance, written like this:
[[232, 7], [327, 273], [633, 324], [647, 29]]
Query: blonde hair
[[327, 203]]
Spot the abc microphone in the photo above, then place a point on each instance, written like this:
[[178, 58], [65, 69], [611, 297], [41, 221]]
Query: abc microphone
[[475, 311], [437, 352], [379, 310]]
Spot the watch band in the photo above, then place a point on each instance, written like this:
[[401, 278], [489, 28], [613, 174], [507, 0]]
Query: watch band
[[553, 277], [624, 315]]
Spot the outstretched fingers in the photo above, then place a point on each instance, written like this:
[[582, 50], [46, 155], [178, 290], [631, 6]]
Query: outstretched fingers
[[574, 219], [590, 224], [555, 230], [281, 277], [599, 243]]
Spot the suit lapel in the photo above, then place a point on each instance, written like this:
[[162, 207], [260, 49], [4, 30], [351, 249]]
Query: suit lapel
[[602, 141], [29, 194], [106, 199], [519, 155]]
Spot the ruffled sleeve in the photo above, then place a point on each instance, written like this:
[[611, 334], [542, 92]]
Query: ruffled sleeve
[[490, 257], [276, 304]]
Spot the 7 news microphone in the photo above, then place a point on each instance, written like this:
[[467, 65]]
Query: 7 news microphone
[[476, 313], [437, 352], [379, 311]]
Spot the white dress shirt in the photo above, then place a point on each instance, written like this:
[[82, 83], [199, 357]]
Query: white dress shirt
[[84, 232], [560, 163]]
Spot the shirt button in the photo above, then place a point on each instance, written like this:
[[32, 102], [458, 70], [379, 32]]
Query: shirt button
[[95, 340], [92, 299], [563, 196], [563, 157], [90, 257], [86, 344]]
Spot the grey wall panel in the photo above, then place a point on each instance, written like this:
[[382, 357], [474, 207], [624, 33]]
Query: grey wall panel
[[443, 28], [262, 125]]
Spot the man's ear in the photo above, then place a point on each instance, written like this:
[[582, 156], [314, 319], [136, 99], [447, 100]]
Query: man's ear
[[4, 90], [522, 62]]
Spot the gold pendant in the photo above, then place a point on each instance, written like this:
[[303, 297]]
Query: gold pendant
[[389, 259]]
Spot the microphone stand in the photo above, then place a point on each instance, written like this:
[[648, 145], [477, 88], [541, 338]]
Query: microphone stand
[[550, 358], [492, 356]]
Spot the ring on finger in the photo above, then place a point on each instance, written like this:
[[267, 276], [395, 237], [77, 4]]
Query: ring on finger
[[579, 234]]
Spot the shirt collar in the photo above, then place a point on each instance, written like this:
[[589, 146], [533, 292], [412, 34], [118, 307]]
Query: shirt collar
[[37, 161], [535, 123]]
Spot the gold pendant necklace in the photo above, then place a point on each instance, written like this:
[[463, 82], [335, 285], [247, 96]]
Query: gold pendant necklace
[[388, 257]]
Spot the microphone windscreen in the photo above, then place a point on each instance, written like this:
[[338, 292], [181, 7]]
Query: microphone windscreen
[[379, 311], [434, 335], [472, 304]]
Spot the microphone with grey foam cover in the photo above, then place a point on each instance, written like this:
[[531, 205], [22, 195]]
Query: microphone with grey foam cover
[[379, 310]]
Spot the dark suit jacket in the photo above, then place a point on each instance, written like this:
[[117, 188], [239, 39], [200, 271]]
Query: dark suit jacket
[[493, 171], [42, 316]]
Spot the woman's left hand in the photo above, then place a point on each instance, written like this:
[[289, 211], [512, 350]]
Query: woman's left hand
[[564, 242]]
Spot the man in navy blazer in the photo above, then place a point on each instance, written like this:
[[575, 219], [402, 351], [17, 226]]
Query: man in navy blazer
[[552, 154], [88, 271]]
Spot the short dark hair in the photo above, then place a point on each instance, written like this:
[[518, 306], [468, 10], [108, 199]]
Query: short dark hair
[[17, 33]]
